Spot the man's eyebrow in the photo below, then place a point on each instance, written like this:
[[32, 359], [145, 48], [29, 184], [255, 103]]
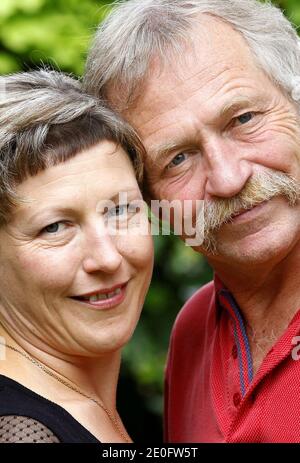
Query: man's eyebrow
[[162, 150], [235, 105]]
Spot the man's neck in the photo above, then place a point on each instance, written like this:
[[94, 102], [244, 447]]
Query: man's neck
[[268, 296]]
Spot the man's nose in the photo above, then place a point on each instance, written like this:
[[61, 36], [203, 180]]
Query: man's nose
[[227, 171], [101, 253]]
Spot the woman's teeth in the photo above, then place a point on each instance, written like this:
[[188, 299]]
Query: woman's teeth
[[102, 297]]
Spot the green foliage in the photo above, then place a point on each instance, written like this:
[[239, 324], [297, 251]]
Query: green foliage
[[58, 33], [54, 32], [291, 9]]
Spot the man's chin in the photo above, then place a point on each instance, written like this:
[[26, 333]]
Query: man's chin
[[252, 250]]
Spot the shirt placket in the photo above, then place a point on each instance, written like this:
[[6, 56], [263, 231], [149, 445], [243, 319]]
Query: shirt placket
[[238, 365]]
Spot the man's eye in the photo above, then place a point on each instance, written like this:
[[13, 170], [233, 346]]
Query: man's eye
[[245, 118], [177, 160]]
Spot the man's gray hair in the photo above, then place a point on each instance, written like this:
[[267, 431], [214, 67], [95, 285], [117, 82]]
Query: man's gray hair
[[137, 30], [46, 119]]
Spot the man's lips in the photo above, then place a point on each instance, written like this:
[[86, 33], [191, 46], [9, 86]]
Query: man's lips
[[247, 213]]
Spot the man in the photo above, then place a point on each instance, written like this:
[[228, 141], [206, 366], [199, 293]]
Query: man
[[212, 87]]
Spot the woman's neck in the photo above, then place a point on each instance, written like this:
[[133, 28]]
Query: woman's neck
[[95, 376]]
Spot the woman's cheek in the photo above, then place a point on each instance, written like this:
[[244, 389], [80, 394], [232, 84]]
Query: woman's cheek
[[137, 249], [51, 268]]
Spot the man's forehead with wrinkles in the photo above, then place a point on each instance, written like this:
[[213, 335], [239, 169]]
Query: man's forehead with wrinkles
[[220, 48]]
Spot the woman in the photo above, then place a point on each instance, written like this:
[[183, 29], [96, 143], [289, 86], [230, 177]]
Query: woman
[[74, 263]]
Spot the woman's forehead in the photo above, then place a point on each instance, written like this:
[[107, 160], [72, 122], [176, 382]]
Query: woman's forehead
[[98, 173]]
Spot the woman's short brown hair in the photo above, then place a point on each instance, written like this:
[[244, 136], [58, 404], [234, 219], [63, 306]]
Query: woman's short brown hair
[[46, 119]]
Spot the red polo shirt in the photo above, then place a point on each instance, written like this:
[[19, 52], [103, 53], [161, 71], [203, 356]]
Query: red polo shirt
[[210, 392]]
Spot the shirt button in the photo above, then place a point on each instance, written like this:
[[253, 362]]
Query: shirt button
[[237, 399], [234, 352]]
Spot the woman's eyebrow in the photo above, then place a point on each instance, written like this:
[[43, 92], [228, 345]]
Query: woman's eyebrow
[[63, 210], [47, 211], [122, 194]]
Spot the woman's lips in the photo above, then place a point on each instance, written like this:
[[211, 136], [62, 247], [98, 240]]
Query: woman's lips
[[105, 301]]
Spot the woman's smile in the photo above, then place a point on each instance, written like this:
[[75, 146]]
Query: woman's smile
[[104, 298]]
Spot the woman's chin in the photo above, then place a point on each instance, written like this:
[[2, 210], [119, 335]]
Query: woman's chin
[[99, 343]]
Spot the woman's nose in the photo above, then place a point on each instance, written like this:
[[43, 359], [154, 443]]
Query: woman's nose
[[228, 173], [101, 252]]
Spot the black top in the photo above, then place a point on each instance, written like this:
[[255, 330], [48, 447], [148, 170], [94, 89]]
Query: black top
[[28, 417]]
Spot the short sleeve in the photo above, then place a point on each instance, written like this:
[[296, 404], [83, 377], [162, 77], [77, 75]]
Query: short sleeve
[[22, 429]]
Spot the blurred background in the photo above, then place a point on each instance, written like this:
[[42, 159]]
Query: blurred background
[[57, 33]]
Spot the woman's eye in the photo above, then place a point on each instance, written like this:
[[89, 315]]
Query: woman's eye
[[118, 210], [52, 228], [245, 118], [177, 160]]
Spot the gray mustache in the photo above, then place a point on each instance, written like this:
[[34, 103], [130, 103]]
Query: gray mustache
[[259, 188]]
